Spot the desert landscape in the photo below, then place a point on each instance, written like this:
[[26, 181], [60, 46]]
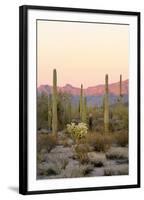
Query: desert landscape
[[82, 132]]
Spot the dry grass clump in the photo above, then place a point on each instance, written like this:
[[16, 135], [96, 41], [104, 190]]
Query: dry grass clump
[[100, 142], [45, 141]]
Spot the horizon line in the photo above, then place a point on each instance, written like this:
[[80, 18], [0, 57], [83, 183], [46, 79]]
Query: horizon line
[[80, 84]]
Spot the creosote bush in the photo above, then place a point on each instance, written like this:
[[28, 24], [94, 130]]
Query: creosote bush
[[121, 138], [100, 142], [45, 141]]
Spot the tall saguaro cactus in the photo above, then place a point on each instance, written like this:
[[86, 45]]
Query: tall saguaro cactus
[[49, 111], [54, 103], [120, 89], [81, 102], [106, 106], [83, 106], [84, 111], [69, 111]]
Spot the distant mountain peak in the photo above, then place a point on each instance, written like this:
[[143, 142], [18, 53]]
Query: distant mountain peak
[[68, 85]]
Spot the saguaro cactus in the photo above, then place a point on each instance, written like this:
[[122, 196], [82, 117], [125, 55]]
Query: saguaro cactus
[[84, 111], [106, 106], [83, 106], [49, 111], [69, 111], [120, 89], [81, 102], [54, 103]]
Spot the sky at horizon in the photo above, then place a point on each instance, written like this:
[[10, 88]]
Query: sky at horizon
[[81, 53]]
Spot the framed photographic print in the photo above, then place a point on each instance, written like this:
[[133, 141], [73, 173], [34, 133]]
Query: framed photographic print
[[79, 99]]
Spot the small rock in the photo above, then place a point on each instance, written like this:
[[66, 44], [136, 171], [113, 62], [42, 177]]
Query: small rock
[[97, 172], [74, 169], [66, 152]]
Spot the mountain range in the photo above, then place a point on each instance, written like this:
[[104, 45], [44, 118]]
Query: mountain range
[[94, 94], [93, 90]]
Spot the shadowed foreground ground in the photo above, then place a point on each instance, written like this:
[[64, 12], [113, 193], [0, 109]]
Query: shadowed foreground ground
[[66, 160]]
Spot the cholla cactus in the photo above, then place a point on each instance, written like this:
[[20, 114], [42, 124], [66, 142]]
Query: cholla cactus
[[77, 131], [54, 103]]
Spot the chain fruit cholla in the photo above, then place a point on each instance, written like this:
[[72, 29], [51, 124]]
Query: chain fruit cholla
[[77, 131]]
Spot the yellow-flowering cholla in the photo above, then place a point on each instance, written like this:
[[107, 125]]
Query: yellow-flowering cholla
[[77, 131]]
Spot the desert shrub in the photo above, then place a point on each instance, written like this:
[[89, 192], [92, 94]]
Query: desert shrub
[[50, 172], [116, 170], [117, 153], [58, 160], [65, 139], [48, 169], [45, 141], [87, 169], [121, 138], [82, 152], [120, 113], [98, 125], [77, 131], [100, 142], [42, 111], [53, 164], [66, 142], [40, 157], [97, 159], [71, 173]]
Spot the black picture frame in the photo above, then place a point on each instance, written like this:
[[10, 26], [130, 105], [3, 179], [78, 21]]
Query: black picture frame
[[23, 97]]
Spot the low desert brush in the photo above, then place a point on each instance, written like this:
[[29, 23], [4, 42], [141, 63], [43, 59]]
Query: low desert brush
[[99, 141], [45, 141]]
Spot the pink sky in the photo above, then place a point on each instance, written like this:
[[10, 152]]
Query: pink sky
[[81, 52]]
